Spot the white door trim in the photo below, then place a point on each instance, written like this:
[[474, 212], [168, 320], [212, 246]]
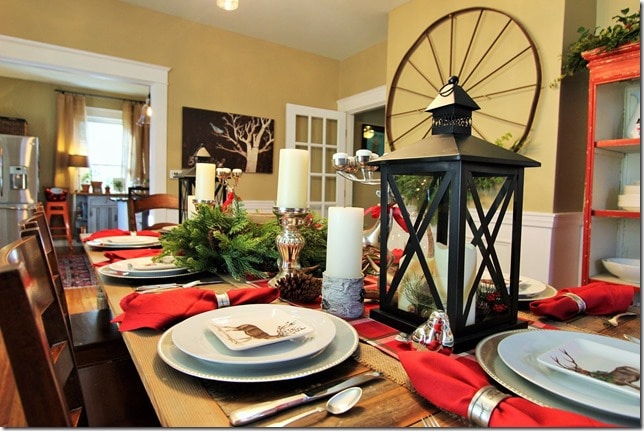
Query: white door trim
[[52, 57]]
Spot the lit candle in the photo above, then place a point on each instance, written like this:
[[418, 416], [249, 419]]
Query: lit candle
[[344, 242], [293, 179], [205, 182]]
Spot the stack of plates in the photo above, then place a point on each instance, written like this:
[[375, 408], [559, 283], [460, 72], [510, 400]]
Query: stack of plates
[[630, 199], [525, 362], [257, 343], [532, 290], [143, 268], [125, 242]]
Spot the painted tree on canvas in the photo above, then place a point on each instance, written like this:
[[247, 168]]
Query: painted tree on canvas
[[245, 136]]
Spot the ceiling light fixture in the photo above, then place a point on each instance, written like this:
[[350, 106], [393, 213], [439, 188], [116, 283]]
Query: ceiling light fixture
[[228, 4]]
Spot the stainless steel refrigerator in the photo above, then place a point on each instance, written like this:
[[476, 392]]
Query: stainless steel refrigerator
[[18, 183]]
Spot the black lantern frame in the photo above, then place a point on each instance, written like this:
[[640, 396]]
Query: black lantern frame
[[453, 162]]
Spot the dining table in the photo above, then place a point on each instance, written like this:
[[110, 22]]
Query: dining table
[[184, 400]]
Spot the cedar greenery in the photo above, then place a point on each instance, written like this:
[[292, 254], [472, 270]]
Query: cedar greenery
[[226, 241], [626, 30]]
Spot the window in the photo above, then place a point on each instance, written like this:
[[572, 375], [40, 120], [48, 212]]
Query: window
[[106, 150]]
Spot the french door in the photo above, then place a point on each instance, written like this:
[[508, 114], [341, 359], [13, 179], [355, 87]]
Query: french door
[[322, 133]]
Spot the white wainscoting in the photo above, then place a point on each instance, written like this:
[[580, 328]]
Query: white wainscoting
[[550, 244], [550, 247]]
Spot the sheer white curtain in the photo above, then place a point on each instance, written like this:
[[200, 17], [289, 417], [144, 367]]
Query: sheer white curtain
[[71, 135], [137, 139]]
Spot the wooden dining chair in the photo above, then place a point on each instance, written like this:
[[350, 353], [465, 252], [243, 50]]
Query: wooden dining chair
[[95, 338], [36, 339], [144, 204], [100, 351]]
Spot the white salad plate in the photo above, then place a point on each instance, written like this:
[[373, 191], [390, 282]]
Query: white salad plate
[[146, 266], [531, 287], [520, 352], [248, 330], [143, 276], [125, 241], [596, 364], [343, 345], [488, 357], [194, 337], [548, 292]]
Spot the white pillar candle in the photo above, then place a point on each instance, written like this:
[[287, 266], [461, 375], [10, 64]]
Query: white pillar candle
[[293, 179], [192, 210], [205, 182], [344, 242]]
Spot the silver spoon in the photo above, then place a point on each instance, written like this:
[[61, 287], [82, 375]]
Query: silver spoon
[[614, 321], [339, 403]]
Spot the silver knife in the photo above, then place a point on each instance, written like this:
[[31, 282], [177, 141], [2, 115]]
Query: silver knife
[[252, 413]]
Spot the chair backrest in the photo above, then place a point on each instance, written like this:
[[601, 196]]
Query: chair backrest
[[37, 225], [37, 339], [147, 203]]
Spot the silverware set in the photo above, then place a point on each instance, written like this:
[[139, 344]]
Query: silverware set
[[152, 288]]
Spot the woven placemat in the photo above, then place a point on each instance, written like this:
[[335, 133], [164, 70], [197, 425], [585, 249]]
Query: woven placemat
[[373, 358]]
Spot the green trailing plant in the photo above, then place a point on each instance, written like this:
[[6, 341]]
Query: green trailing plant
[[626, 30], [226, 241]]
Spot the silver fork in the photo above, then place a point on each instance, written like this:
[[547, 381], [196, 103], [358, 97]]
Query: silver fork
[[430, 422]]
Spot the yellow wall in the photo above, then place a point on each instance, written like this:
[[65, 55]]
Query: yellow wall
[[219, 70], [550, 24], [210, 68]]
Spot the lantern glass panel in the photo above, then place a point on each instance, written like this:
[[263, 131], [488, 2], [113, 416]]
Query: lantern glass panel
[[426, 270]]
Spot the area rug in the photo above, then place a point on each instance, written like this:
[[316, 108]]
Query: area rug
[[76, 271]]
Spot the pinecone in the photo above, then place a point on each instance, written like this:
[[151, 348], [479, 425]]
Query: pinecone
[[300, 287]]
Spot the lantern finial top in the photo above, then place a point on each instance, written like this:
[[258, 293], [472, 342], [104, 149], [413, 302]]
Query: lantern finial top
[[452, 110]]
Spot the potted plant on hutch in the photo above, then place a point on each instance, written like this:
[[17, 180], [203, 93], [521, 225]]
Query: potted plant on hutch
[[627, 30]]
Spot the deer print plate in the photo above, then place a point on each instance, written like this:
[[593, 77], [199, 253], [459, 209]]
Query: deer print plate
[[604, 366], [520, 352], [196, 336], [247, 330]]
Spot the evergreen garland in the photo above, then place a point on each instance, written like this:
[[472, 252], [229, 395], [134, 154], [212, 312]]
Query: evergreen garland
[[226, 241]]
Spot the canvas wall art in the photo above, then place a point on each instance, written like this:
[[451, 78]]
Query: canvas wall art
[[233, 140]]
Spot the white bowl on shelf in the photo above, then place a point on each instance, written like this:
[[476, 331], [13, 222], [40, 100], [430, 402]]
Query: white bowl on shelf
[[623, 268]]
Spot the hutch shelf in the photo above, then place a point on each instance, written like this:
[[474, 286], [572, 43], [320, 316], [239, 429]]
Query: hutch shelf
[[612, 160]]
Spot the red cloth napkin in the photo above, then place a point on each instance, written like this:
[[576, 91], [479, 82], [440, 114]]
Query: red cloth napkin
[[118, 232], [450, 382], [600, 298], [114, 256], [162, 310]]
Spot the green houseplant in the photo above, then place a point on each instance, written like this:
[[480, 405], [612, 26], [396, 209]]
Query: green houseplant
[[626, 30]]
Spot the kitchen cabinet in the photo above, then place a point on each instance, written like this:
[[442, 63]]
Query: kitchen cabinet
[[94, 212], [612, 160]]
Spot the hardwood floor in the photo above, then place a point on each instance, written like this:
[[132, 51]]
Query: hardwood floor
[[83, 298]]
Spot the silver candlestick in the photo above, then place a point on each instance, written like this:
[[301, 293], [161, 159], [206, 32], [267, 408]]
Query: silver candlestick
[[290, 241]]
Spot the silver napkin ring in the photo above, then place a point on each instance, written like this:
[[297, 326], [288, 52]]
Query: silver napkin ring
[[483, 404], [581, 304], [222, 300]]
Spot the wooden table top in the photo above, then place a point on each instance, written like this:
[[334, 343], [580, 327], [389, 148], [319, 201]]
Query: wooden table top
[[181, 400]]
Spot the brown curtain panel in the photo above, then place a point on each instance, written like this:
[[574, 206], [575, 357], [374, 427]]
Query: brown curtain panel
[[138, 139], [71, 135]]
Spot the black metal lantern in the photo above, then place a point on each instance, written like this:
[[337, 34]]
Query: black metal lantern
[[464, 276], [187, 180]]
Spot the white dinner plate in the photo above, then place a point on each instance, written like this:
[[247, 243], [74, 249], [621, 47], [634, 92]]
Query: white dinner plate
[[520, 351], [125, 241], [593, 363], [488, 357], [146, 266], [549, 292], [194, 337], [343, 345]]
